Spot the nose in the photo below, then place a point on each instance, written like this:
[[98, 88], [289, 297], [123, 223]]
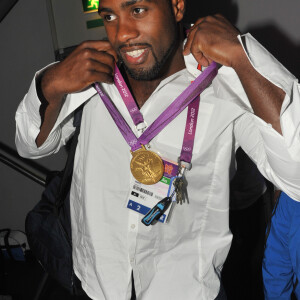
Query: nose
[[127, 30]]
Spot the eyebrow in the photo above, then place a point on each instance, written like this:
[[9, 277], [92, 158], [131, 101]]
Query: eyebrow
[[132, 2], [123, 5]]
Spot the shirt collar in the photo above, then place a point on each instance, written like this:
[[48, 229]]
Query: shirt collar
[[191, 64]]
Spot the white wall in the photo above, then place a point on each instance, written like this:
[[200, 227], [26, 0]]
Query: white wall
[[275, 23], [260, 13], [70, 23], [26, 46]]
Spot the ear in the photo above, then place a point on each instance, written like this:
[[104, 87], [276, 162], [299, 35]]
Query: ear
[[179, 9]]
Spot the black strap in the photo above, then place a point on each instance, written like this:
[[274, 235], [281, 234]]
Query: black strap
[[7, 245], [5, 240], [68, 170]]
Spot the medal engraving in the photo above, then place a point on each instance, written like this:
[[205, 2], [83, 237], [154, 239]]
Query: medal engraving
[[146, 166]]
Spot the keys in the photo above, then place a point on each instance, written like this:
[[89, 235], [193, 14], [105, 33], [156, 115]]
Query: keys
[[180, 185], [178, 189]]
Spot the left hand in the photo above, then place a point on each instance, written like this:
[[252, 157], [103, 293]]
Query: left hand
[[214, 38]]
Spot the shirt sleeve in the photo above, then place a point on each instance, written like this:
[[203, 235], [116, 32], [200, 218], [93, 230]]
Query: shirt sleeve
[[28, 122], [277, 156]]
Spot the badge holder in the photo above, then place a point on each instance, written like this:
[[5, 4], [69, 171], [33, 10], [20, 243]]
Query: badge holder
[[160, 208]]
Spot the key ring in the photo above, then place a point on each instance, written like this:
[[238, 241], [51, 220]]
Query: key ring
[[183, 166], [141, 126]]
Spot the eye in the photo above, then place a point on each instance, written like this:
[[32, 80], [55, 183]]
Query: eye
[[109, 18], [138, 10]]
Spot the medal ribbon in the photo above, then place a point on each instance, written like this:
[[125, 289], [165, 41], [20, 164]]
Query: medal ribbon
[[137, 117], [125, 130], [124, 91], [180, 103], [170, 113], [190, 131]]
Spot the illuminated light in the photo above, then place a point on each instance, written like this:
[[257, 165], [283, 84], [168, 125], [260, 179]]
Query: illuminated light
[[90, 5]]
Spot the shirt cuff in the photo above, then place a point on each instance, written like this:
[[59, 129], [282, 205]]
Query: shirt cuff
[[28, 121], [269, 67], [266, 64]]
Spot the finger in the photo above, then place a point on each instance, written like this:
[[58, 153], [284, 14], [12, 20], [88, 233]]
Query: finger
[[189, 41], [209, 60], [101, 46], [204, 61], [101, 77], [106, 47], [113, 53], [97, 45], [97, 67], [199, 21], [201, 58], [220, 17], [101, 68], [91, 57], [191, 34], [198, 54], [97, 73], [105, 58]]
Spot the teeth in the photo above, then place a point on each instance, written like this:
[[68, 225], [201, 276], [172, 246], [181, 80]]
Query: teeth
[[135, 53]]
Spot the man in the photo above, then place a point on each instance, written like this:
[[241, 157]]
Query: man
[[181, 259]]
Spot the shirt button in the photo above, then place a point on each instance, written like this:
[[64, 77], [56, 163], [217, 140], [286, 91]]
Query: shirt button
[[132, 226]]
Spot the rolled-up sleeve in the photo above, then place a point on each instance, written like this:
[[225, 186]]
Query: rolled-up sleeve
[[277, 156], [28, 122]]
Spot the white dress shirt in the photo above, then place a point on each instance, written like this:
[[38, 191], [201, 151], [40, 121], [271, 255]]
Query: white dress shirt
[[183, 258]]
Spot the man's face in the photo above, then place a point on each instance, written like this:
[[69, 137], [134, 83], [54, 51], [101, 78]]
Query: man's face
[[144, 33]]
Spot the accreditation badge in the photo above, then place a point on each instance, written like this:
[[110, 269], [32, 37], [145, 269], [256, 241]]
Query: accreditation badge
[[143, 197]]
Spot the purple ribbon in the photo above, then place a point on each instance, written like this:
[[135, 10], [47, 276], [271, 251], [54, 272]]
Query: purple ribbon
[[190, 131], [170, 113], [124, 128], [127, 97], [180, 103]]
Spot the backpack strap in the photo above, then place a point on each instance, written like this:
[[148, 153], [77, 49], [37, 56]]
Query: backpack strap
[[6, 243], [65, 185]]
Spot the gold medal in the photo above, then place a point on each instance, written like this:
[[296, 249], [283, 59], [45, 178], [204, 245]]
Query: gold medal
[[146, 166]]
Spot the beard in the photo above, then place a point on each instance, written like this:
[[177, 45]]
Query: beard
[[144, 74]]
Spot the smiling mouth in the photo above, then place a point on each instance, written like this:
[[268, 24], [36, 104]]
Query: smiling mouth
[[135, 53], [135, 56]]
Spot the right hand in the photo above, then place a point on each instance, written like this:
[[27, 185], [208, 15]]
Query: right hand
[[91, 61]]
